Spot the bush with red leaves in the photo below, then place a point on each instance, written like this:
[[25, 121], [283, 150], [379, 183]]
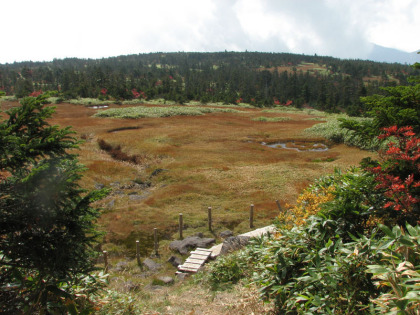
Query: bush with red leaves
[[398, 174]]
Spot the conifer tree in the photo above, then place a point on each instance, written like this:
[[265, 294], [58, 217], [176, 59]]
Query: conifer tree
[[47, 229]]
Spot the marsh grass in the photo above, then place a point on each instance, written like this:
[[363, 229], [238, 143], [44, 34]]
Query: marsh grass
[[89, 102], [136, 101], [8, 98], [294, 110], [156, 112], [207, 160], [271, 119]]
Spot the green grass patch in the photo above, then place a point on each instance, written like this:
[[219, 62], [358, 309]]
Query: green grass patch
[[331, 130], [327, 159], [155, 112], [219, 104], [9, 98], [54, 100], [135, 101], [294, 110], [89, 102], [271, 119], [160, 101]]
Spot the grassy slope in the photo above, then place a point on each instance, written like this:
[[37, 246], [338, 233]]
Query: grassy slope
[[211, 160]]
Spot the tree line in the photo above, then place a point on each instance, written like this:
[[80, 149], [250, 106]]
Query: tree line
[[261, 79]]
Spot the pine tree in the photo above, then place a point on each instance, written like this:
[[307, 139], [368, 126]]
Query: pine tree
[[47, 229]]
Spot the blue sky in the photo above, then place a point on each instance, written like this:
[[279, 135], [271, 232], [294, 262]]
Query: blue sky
[[45, 29]]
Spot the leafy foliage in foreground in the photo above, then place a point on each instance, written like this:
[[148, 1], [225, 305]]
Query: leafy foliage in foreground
[[308, 270], [338, 261], [47, 229], [398, 271]]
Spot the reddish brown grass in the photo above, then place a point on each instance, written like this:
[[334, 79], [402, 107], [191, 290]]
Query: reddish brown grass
[[212, 160]]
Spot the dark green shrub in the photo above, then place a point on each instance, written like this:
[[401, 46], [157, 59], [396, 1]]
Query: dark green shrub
[[228, 270], [47, 224]]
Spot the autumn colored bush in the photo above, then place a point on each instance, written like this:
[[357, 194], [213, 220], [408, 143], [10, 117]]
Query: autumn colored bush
[[398, 173], [308, 203]]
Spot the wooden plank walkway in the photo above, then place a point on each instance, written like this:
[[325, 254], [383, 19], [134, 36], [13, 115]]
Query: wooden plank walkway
[[216, 249], [196, 260], [199, 256]]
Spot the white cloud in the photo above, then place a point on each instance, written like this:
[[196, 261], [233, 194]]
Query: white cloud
[[397, 25], [47, 29]]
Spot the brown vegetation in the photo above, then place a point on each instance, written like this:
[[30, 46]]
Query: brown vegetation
[[212, 160]]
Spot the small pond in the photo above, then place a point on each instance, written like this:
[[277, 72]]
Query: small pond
[[98, 106], [300, 146]]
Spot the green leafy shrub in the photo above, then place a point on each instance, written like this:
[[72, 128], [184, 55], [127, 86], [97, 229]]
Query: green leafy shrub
[[355, 200], [397, 272], [228, 270], [334, 131], [309, 269]]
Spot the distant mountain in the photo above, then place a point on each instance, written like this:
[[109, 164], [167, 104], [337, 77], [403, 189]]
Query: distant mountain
[[391, 55]]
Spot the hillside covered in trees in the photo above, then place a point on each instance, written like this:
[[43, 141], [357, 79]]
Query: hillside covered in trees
[[261, 79]]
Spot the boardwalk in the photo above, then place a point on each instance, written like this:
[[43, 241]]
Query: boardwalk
[[196, 260], [199, 256]]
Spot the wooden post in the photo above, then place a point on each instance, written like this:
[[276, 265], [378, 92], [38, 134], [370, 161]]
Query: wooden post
[[138, 253], [251, 216], [210, 220], [181, 226], [278, 206], [156, 242], [105, 261]]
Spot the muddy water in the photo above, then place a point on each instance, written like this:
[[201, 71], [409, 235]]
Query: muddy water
[[298, 146], [146, 242]]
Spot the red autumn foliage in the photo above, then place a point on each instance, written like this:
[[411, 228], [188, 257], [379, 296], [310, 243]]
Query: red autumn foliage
[[137, 94], [104, 91], [399, 173], [36, 93]]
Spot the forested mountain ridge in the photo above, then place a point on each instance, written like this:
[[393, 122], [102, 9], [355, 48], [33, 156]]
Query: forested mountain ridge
[[262, 79]]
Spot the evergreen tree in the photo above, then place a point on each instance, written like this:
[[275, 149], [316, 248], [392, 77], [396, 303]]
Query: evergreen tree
[[47, 229]]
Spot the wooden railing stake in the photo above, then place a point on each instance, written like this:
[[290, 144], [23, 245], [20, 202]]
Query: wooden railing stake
[[138, 253], [210, 219], [251, 216], [156, 242], [181, 226], [278, 206]]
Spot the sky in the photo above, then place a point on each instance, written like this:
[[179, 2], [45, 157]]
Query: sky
[[41, 30]]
